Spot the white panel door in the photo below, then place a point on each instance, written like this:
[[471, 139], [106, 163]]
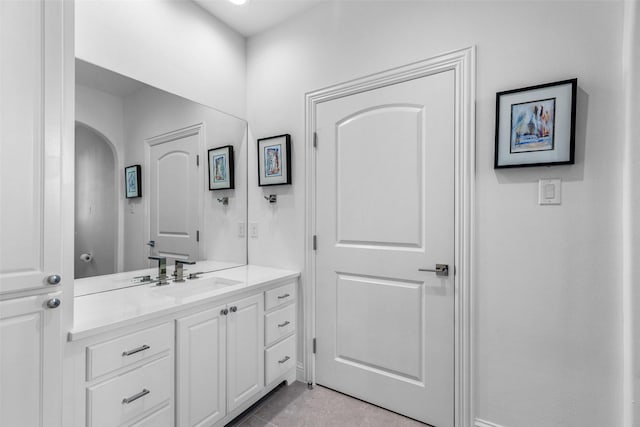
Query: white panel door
[[30, 352], [175, 203], [385, 209], [30, 143], [245, 350], [200, 362]]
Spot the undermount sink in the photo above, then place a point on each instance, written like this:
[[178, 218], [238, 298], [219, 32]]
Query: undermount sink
[[194, 287]]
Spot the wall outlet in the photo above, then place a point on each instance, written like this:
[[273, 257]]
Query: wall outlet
[[253, 229]]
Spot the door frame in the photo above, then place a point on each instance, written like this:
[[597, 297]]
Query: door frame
[[199, 130], [463, 63]]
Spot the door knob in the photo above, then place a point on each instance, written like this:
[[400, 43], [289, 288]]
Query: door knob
[[54, 279], [53, 303], [440, 270], [233, 309]]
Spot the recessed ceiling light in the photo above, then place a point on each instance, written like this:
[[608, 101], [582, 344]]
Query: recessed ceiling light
[[238, 2]]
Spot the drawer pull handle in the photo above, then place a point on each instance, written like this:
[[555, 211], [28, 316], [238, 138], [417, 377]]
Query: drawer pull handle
[[282, 325], [284, 360], [135, 350], [128, 400], [284, 296]]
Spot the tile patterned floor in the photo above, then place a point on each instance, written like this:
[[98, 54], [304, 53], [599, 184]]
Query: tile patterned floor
[[296, 406]]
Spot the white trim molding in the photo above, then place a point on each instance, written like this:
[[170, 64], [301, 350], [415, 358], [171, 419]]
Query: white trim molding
[[463, 63], [483, 423]]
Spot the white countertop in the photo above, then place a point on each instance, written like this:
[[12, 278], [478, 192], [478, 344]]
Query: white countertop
[[109, 282], [107, 310]]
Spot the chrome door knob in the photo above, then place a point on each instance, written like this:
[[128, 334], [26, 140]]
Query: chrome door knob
[[233, 309], [53, 303], [54, 279]]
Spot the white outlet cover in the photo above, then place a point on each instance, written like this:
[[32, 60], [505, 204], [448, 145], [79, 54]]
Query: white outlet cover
[[550, 191]]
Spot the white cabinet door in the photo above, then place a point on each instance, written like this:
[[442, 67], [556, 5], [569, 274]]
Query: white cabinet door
[[245, 350], [31, 128], [29, 333], [200, 364]]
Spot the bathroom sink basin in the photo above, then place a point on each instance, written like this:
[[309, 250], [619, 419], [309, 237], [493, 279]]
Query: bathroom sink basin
[[194, 287]]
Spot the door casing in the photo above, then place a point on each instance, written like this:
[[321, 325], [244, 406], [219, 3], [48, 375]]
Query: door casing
[[463, 63]]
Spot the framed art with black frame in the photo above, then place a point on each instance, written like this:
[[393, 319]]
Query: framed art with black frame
[[535, 126], [274, 160], [221, 175], [133, 181]]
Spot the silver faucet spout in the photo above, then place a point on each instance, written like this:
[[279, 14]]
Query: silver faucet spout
[[179, 273], [162, 269]]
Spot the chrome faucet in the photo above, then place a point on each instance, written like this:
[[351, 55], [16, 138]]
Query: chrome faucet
[[162, 269], [179, 272]]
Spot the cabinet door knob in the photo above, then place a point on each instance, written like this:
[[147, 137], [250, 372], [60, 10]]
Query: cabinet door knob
[[54, 279], [233, 309], [53, 303], [224, 311]]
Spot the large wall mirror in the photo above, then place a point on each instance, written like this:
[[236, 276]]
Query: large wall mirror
[[171, 211]]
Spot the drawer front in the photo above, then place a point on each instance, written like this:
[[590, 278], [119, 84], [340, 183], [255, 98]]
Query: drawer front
[[161, 418], [279, 359], [123, 351], [279, 296], [279, 324], [144, 388]]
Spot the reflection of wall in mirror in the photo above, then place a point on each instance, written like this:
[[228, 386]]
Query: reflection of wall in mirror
[[149, 112]]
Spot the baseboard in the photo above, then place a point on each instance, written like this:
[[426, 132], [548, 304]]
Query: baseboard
[[300, 373], [482, 423]]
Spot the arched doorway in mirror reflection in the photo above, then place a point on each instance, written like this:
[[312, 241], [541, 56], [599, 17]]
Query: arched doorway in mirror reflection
[[96, 203]]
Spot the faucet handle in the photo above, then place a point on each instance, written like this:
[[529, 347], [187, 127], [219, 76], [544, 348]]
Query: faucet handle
[[182, 261], [158, 258]]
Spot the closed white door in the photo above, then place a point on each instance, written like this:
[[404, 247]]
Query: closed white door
[[175, 188], [385, 210], [245, 350], [200, 366]]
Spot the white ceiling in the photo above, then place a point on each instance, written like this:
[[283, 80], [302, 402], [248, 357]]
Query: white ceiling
[[256, 15]]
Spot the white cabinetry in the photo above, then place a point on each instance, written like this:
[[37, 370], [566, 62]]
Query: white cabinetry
[[35, 202], [31, 128], [127, 379], [200, 359], [220, 360], [245, 343], [30, 348]]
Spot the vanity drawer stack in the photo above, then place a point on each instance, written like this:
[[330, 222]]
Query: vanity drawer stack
[[129, 379], [280, 331]]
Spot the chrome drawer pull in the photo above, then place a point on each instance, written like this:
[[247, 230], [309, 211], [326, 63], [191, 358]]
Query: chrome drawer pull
[[284, 296], [284, 360], [128, 400], [282, 325], [135, 350]]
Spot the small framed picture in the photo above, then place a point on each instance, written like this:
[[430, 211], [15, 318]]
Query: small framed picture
[[274, 160], [133, 181], [221, 168], [535, 126]]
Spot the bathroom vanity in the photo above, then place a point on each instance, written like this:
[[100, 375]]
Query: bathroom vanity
[[198, 352]]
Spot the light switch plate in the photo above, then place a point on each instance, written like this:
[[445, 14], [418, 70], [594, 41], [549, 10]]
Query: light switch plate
[[550, 191], [253, 229]]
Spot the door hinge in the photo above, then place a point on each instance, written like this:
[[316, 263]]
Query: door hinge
[[197, 159], [315, 242], [315, 140], [197, 235], [314, 346]]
